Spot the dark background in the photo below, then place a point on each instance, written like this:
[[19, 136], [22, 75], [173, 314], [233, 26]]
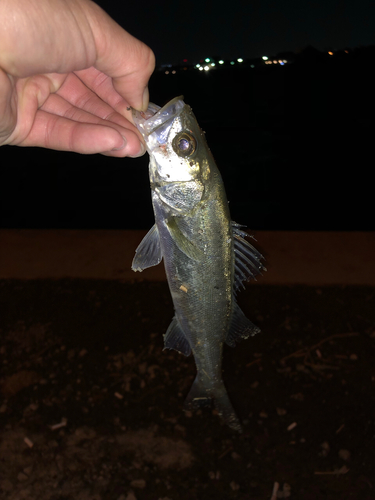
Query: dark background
[[294, 144]]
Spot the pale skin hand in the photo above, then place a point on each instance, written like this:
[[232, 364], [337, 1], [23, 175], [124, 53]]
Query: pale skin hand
[[68, 74]]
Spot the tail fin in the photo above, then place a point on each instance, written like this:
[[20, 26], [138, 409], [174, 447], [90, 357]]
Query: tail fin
[[199, 396]]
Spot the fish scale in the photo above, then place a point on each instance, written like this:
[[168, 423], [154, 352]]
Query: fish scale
[[205, 254]]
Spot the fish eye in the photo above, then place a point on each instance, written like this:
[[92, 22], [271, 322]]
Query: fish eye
[[184, 144]]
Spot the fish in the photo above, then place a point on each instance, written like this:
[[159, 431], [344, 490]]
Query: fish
[[206, 256]]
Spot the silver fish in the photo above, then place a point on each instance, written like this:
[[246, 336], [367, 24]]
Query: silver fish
[[205, 255]]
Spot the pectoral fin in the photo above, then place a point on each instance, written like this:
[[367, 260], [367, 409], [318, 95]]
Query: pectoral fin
[[148, 253], [175, 339], [184, 244], [240, 328]]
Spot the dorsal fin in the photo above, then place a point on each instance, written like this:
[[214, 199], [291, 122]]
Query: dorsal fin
[[247, 258]]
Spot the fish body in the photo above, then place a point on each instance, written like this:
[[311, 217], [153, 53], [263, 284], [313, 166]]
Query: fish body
[[205, 255]]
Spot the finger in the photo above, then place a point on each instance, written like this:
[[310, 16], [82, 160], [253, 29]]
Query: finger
[[103, 102], [102, 86], [122, 57], [60, 133], [8, 110], [56, 105], [60, 36], [28, 95], [68, 35]]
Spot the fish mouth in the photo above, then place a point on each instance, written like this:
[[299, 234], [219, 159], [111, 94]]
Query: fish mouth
[[155, 116]]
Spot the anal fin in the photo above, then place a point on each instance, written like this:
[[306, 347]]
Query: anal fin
[[240, 328], [175, 338]]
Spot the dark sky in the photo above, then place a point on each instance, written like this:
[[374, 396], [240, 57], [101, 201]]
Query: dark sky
[[194, 29]]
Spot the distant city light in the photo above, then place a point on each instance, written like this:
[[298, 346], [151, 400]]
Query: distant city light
[[240, 60], [167, 72], [265, 58], [212, 64], [207, 59], [198, 65], [252, 66], [200, 68], [206, 68], [221, 61], [330, 53], [232, 62], [174, 72]]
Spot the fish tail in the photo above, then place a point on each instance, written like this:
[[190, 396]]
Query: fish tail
[[199, 396]]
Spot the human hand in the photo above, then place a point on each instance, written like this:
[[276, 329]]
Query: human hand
[[68, 74]]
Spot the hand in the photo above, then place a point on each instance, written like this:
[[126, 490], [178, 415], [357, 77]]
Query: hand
[[68, 74]]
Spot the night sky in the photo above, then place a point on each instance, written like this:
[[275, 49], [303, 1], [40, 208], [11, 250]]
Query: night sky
[[195, 28], [280, 142]]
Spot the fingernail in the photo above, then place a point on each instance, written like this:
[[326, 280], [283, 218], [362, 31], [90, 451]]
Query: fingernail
[[122, 146], [145, 99], [140, 153]]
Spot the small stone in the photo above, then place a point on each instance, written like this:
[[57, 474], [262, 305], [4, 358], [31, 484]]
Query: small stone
[[353, 357], [71, 354], [180, 428], [286, 490], [280, 411], [235, 486], [344, 455], [138, 483], [82, 353], [325, 449], [24, 494], [22, 477], [131, 496], [6, 485], [142, 368]]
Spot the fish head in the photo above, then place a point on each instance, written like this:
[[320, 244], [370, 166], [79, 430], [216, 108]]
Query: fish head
[[176, 145]]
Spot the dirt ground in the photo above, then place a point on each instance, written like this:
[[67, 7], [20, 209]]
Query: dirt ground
[[91, 406]]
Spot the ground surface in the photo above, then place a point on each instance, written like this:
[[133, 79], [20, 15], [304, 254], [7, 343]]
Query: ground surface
[[87, 354]]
